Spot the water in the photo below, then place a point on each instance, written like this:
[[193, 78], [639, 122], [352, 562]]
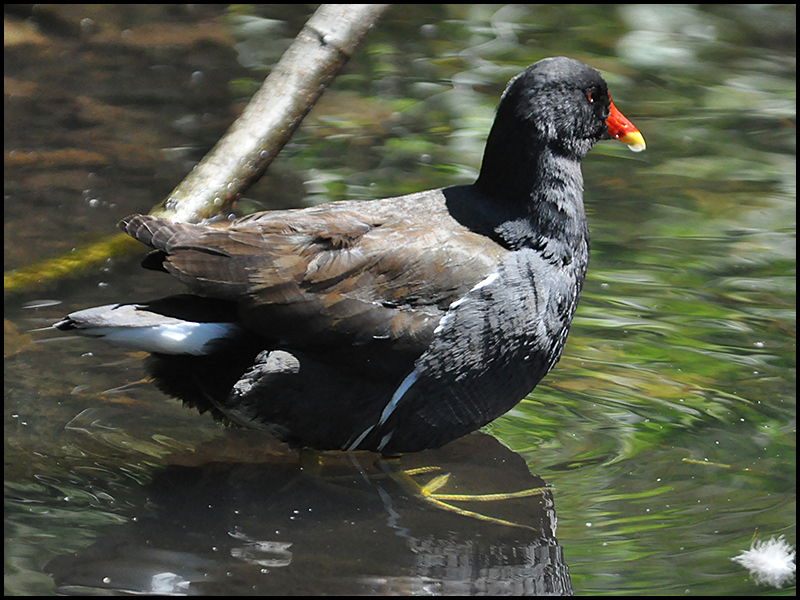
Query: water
[[667, 430]]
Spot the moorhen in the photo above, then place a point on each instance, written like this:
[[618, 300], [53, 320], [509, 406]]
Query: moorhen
[[393, 325]]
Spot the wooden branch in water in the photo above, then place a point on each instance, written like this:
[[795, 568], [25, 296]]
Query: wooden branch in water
[[240, 158]]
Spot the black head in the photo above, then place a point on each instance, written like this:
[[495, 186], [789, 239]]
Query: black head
[[556, 107], [560, 102]]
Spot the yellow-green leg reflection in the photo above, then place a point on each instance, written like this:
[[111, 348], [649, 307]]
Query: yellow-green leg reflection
[[428, 492]]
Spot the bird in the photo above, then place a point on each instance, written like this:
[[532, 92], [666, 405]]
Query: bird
[[392, 325]]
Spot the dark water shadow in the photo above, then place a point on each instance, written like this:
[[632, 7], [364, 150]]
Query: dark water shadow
[[271, 522]]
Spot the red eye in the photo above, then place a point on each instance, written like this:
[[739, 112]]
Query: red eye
[[590, 95]]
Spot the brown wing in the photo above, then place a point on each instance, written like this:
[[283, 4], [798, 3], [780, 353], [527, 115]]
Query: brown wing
[[317, 275]]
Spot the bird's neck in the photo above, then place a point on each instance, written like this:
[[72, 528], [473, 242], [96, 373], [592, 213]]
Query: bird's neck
[[539, 189]]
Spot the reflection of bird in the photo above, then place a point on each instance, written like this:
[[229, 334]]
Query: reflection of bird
[[394, 325]]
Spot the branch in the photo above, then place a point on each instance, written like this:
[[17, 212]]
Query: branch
[[240, 158]]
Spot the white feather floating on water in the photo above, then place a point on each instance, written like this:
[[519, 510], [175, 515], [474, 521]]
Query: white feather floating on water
[[769, 561]]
